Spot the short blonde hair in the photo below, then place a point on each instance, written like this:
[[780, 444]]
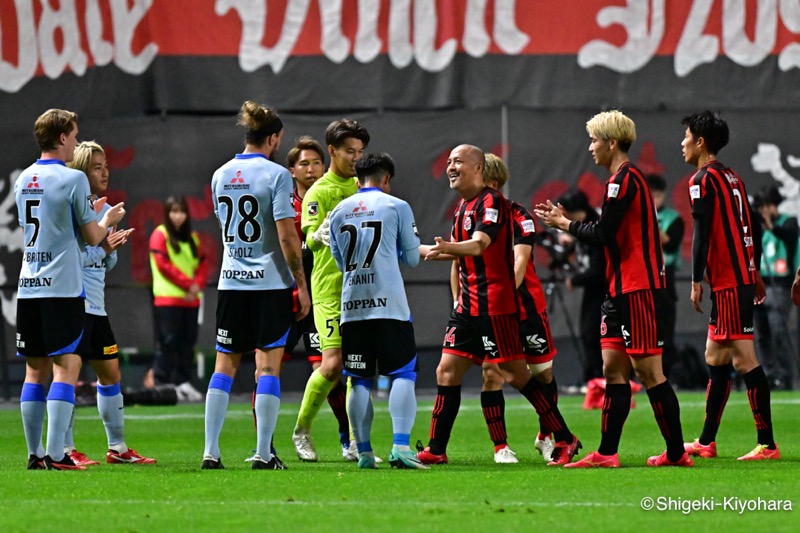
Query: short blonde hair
[[613, 125], [495, 169], [82, 157]]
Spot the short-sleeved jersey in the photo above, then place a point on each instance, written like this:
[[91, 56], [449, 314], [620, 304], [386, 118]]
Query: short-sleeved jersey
[[371, 232], [717, 193], [531, 294], [250, 194], [319, 201], [53, 201], [486, 282], [628, 230], [95, 265]]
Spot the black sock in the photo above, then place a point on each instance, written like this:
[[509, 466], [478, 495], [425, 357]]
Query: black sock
[[551, 389], [337, 398], [548, 411], [494, 411], [717, 392], [616, 406], [758, 394], [668, 415], [445, 409]]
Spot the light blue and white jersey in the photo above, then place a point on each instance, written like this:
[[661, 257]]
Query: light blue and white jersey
[[371, 233], [95, 265], [250, 194], [53, 201]]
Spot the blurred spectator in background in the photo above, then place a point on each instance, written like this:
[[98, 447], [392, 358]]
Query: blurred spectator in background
[[588, 273], [778, 263], [180, 272], [671, 228]]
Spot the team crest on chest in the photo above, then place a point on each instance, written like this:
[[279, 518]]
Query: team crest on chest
[[467, 223]]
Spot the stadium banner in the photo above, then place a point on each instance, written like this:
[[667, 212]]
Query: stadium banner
[[125, 56]]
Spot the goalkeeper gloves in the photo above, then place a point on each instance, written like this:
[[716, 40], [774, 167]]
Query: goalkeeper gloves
[[323, 234]]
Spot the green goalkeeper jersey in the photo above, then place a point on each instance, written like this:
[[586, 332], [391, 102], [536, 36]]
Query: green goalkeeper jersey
[[319, 201]]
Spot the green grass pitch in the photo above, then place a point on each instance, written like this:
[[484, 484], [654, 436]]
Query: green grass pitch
[[470, 494]]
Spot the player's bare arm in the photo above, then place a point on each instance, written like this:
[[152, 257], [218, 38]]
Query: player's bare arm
[[470, 248], [290, 246]]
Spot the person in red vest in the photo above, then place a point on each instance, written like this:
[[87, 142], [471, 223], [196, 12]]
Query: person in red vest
[[180, 272]]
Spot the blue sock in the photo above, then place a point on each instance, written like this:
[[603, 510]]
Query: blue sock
[[403, 408], [219, 392], [111, 407], [268, 403], [69, 439], [32, 405], [358, 407], [60, 404]]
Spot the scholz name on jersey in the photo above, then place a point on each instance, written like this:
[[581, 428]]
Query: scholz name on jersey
[[238, 252], [366, 303], [361, 279], [36, 282], [243, 274]]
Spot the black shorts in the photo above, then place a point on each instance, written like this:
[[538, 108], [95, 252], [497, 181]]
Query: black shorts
[[308, 331], [491, 339], [537, 342], [732, 314], [98, 342], [633, 322], [379, 345], [49, 326], [247, 320]]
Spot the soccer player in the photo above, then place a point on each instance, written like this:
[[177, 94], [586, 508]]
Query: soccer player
[[631, 325], [261, 264], [537, 343], [371, 233], [726, 246], [346, 140], [484, 325], [306, 164], [54, 204], [98, 345]]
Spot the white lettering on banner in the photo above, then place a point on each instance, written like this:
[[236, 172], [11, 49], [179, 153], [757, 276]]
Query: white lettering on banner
[[37, 45], [645, 28], [11, 240], [401, 51], [644, 22]]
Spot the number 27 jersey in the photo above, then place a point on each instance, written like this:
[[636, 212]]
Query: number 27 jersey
[[250, 194]]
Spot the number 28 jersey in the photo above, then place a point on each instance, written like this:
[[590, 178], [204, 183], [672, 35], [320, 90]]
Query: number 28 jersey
[[250, 194]]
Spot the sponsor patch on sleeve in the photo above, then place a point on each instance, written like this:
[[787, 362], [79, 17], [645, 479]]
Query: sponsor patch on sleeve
[[491, 215], [528, 227], [613, 190], [694, 192], [313, 208], [414, 225]]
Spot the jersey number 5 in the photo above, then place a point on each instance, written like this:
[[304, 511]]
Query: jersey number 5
[[32, 219]]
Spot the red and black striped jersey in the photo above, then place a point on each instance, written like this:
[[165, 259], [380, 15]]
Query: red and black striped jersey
[[628, 231], [298, 215], [486, 281], [531, 294], [719, 202]]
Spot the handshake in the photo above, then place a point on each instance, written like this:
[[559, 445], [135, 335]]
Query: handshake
[[323, 234]]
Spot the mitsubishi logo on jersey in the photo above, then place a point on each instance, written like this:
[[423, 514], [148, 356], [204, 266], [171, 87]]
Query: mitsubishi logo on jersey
[[237, 183], [238, 178], [360, 207], [489, 346], [33, 184]]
